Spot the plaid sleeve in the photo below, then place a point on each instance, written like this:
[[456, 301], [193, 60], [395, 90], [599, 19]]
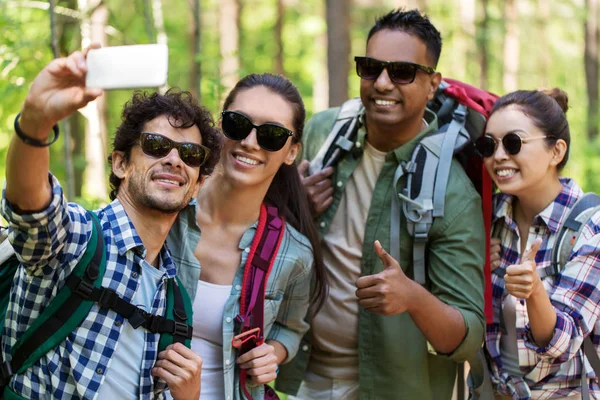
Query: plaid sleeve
[[49, 238], [290, 324], [576, 297]]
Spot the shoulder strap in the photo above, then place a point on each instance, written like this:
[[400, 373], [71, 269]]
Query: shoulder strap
[[64, 313], [261, 258], [180, 311], [569, 232], [341, 138]]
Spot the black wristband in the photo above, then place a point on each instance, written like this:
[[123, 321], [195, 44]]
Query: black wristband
[[31, 141]]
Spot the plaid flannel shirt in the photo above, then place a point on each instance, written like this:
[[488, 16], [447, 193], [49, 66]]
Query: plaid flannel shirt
[[553, 371], [49, 244]]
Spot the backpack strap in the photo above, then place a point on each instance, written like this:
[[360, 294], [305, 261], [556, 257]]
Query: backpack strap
[[64, 313], [341, 138], [569, 232], [180, 312], [261, 258]]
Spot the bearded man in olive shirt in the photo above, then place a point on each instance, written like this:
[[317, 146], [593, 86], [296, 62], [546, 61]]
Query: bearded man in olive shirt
[[381, 335]]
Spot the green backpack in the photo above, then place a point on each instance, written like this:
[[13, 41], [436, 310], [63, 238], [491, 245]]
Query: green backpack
[[71, 305]]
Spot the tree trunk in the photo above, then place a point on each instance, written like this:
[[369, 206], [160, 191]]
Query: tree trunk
[[159, 27], [482, 45], [591, 66], [338, 49], [279, 39], [543, 53], [195, 70], [92, 30], [229, 22], [148, 22], [460, 67], [64, 125], [511, 47]]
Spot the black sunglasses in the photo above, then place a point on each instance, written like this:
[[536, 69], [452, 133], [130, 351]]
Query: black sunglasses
[[237, 126], [512, 143], [158, 146], [399, 72]]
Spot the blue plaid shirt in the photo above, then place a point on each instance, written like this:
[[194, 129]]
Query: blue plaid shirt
[[49, 244], [553, 371]]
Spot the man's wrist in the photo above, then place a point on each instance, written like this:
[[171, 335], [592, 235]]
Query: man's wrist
[[34, 133]]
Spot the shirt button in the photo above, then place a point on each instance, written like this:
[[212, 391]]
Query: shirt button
[[339, 184], [323, 224], [118, 323], [358, 145], [100, 371], [238, 287], [305, 347], [247, 250], [226, 362], [134, 275], [228, 320]]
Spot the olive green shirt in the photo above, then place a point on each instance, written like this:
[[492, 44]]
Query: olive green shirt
[[395, 360]]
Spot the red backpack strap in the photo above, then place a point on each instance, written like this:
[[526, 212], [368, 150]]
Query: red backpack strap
[[261, 258]]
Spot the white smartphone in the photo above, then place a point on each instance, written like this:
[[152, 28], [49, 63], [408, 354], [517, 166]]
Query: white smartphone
[[127, 67]]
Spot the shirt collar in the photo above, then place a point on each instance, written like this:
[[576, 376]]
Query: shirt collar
[[126, 237], [552, 216], [404, 152]]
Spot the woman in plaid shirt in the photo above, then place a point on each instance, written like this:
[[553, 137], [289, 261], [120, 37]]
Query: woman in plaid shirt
[[534, 345]]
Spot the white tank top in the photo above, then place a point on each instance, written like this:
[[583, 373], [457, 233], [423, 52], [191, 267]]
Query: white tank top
[[207, 341]]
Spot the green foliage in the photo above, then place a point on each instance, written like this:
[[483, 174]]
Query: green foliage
[[25, 49]]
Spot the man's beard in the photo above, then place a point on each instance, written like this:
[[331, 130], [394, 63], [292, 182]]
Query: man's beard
[[141, 196]]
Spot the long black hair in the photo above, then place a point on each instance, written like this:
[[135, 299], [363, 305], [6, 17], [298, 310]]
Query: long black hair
[[286, 191]]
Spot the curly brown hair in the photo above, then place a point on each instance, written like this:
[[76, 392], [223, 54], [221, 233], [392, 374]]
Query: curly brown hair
[[182, 111]]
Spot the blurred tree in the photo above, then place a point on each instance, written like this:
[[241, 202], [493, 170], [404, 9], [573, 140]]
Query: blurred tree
[[195, 66], [279, 69], [338, 49], [543, 53], [229, 22], [591, 66], [511, 46], [482, 44], [93, 31], [159, 27]]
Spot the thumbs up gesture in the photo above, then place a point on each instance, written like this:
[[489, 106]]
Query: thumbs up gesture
[[522, 280], [385, 293]]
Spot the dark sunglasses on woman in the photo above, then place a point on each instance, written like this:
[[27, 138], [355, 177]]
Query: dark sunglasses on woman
[[399, 72], [158, 146], [486, 145], [237, 126]]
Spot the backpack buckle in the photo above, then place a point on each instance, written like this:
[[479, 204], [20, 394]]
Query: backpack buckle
[[182, 330], [84, 289], [108, 298], [460, 114]]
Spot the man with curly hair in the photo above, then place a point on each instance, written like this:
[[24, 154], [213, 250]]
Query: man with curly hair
[[164, 148]]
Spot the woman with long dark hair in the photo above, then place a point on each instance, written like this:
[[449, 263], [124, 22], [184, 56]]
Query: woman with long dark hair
[[262, 121]]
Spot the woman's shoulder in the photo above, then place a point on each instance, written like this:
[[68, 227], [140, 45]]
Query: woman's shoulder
[[296, 246]]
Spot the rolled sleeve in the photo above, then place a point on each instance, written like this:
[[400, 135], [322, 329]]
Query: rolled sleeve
[[561, 341], [290, 324]]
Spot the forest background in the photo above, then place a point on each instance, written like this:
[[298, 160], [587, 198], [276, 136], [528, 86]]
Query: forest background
[[493, 44]]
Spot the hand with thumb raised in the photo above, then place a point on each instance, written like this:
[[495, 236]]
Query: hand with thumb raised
[[522, 280], [388, 292]]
